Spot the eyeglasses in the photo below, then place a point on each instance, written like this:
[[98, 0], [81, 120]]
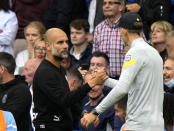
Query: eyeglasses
[[111, 3], [39, 49]]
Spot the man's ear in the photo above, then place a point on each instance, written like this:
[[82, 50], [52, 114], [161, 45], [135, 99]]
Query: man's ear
[[71, 84], [3, 69], [122, 8], [48, 46], [124, 31]]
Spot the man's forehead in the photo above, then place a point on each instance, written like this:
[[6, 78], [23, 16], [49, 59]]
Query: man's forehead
[[169, 62], [56, 33], [97, 59]]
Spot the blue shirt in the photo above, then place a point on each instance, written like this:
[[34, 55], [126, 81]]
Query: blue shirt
[[10, 121]]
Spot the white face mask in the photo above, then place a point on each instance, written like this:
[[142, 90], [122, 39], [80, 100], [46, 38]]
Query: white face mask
[[170, 84]]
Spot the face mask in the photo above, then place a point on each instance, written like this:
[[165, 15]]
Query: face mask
[[170, 84]]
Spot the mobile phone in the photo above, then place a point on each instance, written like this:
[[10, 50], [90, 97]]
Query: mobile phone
[[84, 66]]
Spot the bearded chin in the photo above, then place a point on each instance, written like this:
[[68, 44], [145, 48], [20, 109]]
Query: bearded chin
[[60, 57]]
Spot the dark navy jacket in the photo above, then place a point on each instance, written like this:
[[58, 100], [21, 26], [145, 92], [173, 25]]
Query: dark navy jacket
[[84, 58]]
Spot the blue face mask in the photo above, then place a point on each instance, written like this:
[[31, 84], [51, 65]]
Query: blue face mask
[[170, 84]]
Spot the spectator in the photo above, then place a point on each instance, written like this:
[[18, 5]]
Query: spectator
[[33, 31], [168, 73], [14, 93], [7, 121], [27, 11], [170, 45], [150, 12], [51, 94], [98, 61], [75, 80], [30, 68], [8, 27], [39, 49], [107, 36], [140, 79], [159, 32], [81, 51], [96, 95], [120, 111]]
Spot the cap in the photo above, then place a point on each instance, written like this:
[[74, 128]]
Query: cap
[[129, 20]]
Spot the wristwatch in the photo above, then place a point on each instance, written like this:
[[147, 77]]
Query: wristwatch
[[94, 111]]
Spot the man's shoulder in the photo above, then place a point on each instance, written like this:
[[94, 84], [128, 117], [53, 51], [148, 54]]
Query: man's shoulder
[[88, 50], [45, 66], [20, 83], [46, 70], [17, 82], [101, 24]]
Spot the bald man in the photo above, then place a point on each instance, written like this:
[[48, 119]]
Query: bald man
[[52, 97], [29, 69]]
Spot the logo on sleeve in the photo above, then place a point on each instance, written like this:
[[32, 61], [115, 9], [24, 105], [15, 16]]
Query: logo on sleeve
[[4, 98], [127, 58]]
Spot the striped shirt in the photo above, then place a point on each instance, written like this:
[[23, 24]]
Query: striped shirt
[[107, 39]]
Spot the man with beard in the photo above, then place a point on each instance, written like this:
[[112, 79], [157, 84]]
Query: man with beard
[[51, 94]]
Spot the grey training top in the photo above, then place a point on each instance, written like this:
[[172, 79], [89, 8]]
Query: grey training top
[[142, 80]]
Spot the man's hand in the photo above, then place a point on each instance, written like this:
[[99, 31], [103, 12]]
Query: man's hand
[[97, 77], [133, 7], [101, 74], [87, 119], [1, 31]]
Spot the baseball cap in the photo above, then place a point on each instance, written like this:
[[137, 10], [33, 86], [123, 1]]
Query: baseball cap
[[130, 21]]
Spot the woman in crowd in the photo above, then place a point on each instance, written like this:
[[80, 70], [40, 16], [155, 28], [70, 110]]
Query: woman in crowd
[[159, 31], [39, 51], [32, 32]]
